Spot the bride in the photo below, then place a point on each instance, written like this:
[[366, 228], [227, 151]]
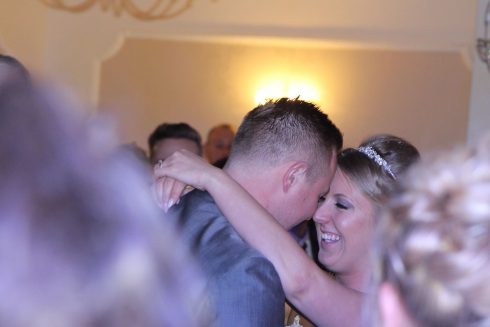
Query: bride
[[345, 220]]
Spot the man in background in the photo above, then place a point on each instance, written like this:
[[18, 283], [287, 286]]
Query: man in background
[[168, 138], [218, 144]]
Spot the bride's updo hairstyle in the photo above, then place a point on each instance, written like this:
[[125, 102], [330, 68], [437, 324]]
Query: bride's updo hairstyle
[[434, 240], [377, 164]]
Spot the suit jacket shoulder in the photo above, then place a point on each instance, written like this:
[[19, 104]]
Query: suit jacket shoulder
[[243, 284]]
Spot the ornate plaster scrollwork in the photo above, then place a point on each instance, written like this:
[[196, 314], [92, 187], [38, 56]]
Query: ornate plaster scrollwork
[[140, 9]]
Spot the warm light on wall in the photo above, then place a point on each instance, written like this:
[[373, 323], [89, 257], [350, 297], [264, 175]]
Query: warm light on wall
[[279, 89]]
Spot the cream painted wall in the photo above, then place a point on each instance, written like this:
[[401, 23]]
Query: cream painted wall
[[23, 31], [422, 96], [70, 49]]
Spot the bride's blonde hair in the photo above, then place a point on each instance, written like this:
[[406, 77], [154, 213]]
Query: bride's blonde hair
[[434, 240]]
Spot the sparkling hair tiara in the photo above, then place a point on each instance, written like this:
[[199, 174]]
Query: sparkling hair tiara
[[374, 156]]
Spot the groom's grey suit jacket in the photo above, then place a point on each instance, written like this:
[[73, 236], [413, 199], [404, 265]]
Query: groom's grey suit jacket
[[244, 288]]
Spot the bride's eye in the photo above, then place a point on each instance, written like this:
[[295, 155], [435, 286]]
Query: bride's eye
[[341, 205], [321, 199]]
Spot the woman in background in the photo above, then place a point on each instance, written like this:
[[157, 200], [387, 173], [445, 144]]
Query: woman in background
[[434, 244], [345, 223]]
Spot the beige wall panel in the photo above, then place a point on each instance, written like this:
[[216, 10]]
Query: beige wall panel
[[422, 96], [23, 32]]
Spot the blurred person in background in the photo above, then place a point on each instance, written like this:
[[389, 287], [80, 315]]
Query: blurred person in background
[[168, 138], [81, 243], [218, 144], [12, 70], [433, 245]]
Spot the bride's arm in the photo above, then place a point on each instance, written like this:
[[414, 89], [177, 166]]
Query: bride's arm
[[307, 287]]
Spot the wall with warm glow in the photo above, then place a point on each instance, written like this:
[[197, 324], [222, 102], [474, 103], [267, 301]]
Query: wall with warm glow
[[422, 96], [275, 89], [23, 26], [69, 48]]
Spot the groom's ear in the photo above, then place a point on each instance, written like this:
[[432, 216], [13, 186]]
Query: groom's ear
[[294, 175]]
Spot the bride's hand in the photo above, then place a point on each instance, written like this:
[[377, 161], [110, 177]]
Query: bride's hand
[[174, 176]]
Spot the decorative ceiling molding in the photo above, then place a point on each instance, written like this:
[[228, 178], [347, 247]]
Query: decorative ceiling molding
[[154, 10]]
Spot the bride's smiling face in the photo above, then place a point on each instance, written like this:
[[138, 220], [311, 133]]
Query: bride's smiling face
[[345, 227]]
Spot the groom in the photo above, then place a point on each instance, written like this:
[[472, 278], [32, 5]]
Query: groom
[[284, 155]]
